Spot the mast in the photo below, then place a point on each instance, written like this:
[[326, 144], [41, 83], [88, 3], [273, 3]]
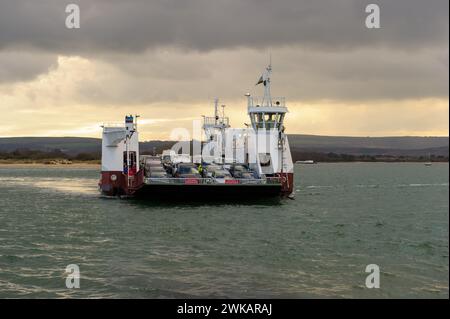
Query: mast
[[266, 81], [216, 111]]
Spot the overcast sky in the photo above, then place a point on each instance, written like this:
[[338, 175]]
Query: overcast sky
[[168, 59]]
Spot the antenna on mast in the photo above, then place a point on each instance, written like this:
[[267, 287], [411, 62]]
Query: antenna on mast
[[267, 96], [216, 111], [223, 111]]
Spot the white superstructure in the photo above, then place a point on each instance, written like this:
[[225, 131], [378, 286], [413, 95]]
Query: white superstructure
[[120, 147], [263, 145]]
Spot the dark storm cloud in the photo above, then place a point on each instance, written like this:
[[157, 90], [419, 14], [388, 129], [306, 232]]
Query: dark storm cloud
[[184, 48], [216, 24], [24, 66]]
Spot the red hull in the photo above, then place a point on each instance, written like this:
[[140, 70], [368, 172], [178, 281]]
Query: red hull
[[114, 183], [287, 183]]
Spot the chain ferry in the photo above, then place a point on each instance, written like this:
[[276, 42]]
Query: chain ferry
[[226, 162]]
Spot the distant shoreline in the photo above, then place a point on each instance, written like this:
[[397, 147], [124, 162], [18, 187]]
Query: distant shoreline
[[359, 162], [23, 164], [81, 165]]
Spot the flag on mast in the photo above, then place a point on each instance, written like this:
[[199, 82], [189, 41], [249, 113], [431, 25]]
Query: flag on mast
[[261, 80]]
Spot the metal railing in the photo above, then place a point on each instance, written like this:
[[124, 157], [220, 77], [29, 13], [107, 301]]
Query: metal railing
[[211, 181], [106, 125], [259, 101], [211, 120]]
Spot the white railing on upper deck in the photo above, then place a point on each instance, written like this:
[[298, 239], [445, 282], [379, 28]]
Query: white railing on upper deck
[[106, 125], [254, 101], [211, 120]]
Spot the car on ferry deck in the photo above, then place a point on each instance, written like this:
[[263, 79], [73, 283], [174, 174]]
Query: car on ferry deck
[[186, 170], [222, 176], [209, 169], [158, 174], [242, 172]]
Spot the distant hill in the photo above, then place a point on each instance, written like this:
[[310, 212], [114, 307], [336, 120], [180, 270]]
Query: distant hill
[[69, 145], [346, 142], [392, 146]]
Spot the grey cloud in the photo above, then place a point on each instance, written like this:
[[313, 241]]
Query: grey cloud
[[174, 50], [299, 74], [365, 74], [23, 66], [132, 26]]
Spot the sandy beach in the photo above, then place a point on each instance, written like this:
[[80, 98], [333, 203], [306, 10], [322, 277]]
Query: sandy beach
[[58, 166]]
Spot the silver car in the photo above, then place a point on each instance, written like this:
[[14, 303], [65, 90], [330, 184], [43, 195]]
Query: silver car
[[221, 176]]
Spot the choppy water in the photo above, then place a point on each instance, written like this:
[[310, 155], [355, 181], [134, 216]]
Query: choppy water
[[344, 217]]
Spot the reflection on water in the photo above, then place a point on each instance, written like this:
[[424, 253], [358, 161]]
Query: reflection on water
[[205, 202], [64, 185], [344, 217]]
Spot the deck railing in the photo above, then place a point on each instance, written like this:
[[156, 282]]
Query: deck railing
[[107, 125], [211, 121], [259, 101], [211, 181]]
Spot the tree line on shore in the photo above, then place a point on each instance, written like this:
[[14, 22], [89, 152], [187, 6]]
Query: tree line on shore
[[338, 157], [38, 155], [53, 154]]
